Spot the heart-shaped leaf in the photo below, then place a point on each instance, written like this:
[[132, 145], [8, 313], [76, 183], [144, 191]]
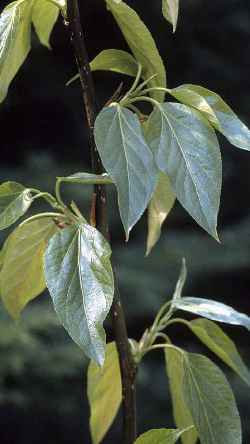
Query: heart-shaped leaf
[[187, 150], [22, 274], [14, 202], [104, 393], [80, 280], [127, 159]]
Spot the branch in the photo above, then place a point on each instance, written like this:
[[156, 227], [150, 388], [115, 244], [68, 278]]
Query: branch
[[99, 216]]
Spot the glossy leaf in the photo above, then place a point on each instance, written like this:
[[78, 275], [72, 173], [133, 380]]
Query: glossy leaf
[[80, 280], [44, 17], [160, 205], [14, 202], [87, 179], [160, 436], [127, 159], [216, 311], [113, 60], [218, 342], [15, 35], [22, 274], [170, 10], [210, 400], [187, 150], [217, 112], [104, 393], [141, 44], [182, 416]]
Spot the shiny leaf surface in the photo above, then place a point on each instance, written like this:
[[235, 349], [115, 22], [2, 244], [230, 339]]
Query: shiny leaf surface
[[80, 280], [104, 393], [22, 274], [187, 150], [127, 159], [14, 202]]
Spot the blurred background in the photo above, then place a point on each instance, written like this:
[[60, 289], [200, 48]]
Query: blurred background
[[43, 135]]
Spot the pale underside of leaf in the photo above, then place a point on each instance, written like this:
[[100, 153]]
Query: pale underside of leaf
[[141, 44], [80, 280], [22, 274], [104, 393], [187, 150], [14, 202], [44, 17], [15, 35], [127, 159], [220, 115], [170, 10], [160, 206]]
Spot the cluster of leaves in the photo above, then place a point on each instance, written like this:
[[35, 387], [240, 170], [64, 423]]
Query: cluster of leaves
[[152, 160]]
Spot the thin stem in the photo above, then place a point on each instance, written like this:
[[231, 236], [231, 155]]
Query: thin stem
[[42, 216], [153, 102], [177, 320], [155, 88], [99, 216], [134, 85], [141, 86]]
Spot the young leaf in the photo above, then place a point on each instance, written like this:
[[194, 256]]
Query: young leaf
[[15, 29], [181, 282], [216, 311], [22, 275], [104, 393], [14, 202], [210, 401], [141, 44], [187, 150], [127, 159], [87, 179], [44, 17], [160, 436], [170, 10], [160, 205], [218, 342], [182, 416], [216, 111], [80, 280]]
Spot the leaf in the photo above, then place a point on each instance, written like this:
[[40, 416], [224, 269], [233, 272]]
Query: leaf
[[127, 159], [141, 44], [216, 311], [113, 60], [182, 416], [187, 150], [44, 17], [22, 275], [170, 10], [218, 342], [216, 111], [80, 280], [14, 202], [160, 436], [181, 282], [160, 205], [104, 393], [15, 35], [211, 402], [87, 179]]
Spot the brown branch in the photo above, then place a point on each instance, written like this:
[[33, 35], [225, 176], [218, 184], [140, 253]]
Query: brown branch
[[99, 213]]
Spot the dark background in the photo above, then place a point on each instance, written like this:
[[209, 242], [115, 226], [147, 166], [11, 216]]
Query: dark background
[[42, 135]]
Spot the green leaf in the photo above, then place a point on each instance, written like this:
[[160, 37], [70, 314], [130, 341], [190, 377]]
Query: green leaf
[[127, 159], [216, 111], [182, 416], [216, 311], [80, 280], [14, 202], [104, 393], [160, 205], [15, 32], [170, 10], [141, 44], [218, 342], [211, 402], [87, 179], [181, 282], [44, 17], [187, 150], [160, 436], [22, 275]]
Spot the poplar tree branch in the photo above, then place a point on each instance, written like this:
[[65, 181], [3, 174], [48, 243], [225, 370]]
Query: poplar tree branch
[[99, 217]]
